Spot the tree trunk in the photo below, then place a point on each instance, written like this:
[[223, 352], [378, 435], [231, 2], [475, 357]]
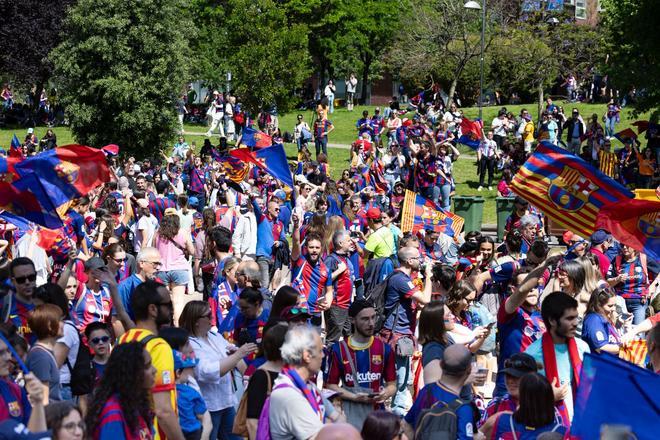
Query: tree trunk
[[539, 104], [452, 90], [365, 79]]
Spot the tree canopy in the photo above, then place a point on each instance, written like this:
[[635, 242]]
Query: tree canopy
[[120, 68]]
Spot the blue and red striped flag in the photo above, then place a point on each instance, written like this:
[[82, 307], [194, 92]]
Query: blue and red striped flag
[[271, 159], [471, 133], [420, 213], [634, 222], [15, 148], [255, 138], [566, 188]]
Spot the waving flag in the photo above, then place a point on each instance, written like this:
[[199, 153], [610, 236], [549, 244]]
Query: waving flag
[[623, 135], [604, 376], [634, 222], [110, 150], [35, 200], [15, 148], [471, 133], [566, 188], [420, 213], [271, 159], [255, 138], [45, 238], [235, 169], [373, 176]]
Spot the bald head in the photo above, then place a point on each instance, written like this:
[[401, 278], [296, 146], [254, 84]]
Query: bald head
[[338, 431], [250, 271], [407, 253], [456, 361]]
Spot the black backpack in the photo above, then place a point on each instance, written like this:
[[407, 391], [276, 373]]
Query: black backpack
[[82, 371], [377, 294], [440, 421]]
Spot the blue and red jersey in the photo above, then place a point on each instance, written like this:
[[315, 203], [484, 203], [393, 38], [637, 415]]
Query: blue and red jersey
[[343, 285], [197, 180], [374, 364], [436, 392], [218, 312], [311, 281], [636, 285], [112, 424], [14, 404], [158, 206], [425, 172], [377, 124], [92, 307], [398, 303], [268, 231], [321, 126], [18, 315], [433, 252], [254, 328], [516, 331], [364, 125], [598, 331], [502, 429]]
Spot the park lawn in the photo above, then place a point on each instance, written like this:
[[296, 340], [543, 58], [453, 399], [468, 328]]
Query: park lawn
[[345, 133]]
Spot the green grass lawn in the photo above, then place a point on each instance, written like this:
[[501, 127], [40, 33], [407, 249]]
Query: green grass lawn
[[345, 133]]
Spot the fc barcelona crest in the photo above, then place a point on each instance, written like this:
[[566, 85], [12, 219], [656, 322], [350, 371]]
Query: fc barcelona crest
[[67, 171], [14, 409], [649, 224], [570, 190]]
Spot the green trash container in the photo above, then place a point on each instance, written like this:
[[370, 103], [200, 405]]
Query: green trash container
[[505, 206], [471, 208]]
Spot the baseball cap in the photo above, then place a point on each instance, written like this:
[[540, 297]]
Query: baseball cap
[[373, 214], [30, 130], [193, 201], [600, 236], [280, 194], [184, 361], [94, 263], [170, 211], [519, 364]]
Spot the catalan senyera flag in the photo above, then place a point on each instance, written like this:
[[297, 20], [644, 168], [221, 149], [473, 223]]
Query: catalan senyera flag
[[235, 169], [635, 222], [566, 188], [420, 213]]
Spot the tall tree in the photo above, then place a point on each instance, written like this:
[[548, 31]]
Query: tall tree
[[634, 53], [439, 36], [120, 68], [30, 30]]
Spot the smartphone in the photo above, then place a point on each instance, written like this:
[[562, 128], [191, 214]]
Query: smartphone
[[491, 325]]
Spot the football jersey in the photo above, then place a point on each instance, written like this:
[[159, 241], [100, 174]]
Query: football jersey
[[112, 424], [343, 285], [18, 315], [92, 307], [311, 281], [374, 364]]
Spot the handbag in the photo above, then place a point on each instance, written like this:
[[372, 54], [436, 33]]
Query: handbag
[[240, 420]]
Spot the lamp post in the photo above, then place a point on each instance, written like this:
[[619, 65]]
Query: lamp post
[[476, 6]]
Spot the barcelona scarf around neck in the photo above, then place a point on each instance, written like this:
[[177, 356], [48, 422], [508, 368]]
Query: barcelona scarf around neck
[[312, 396], [551, 370]]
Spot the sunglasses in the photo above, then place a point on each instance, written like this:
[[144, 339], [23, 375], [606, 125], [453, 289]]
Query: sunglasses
[[102, 339], [299, 310], [119, 260], [21, 280]]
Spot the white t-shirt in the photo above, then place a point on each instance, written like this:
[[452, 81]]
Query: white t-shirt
[[186, 220], [291, 416], [351, 84], [499, 126], [71, 340], [148, 225]]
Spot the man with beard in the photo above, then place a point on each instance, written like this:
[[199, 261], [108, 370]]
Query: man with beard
[[153, 309], [343, 278], [310, 276], [559, 351], [364, 365], [23, 279]]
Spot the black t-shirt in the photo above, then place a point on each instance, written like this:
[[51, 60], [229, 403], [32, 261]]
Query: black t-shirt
[[258, 392]]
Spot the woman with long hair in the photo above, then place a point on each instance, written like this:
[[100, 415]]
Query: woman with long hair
[[382, 425], [174, 246], [120, 408], [115, 259], [459, 298], [571, 277], [434, 323], [224, 296], [335, 223], [213, 373], [65, 421], [204, 258], [598, 326], [535, 413], [286, 296]]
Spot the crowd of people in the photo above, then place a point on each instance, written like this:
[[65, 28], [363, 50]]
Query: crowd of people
[[182, 303]]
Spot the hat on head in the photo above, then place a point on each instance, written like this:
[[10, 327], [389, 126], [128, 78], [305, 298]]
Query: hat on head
[[280, 194], [94, 263], [30, 130], [182, 361], [377, 109], [169, 211], [600, 236], [193, 201], [357, 306], [519, 364], [373, 214]]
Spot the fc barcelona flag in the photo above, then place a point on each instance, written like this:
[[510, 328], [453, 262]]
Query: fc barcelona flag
[[634, 222], [471, 133], [235, 169], [420, 213], [255, 138], [272, 160], [566, 188]]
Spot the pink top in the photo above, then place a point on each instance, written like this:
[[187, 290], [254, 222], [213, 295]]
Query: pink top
[[171, 256], [503, 188]]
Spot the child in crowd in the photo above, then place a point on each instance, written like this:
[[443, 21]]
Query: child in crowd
[[194, 418]]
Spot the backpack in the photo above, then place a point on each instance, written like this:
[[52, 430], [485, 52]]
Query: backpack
[[240, 420], [263, 427], [440, 421], [377, 294], [82, 370]]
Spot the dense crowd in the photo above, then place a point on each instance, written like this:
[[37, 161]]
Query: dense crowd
[[183, 302]]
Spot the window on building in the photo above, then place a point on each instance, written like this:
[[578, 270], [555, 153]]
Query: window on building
[[580, 9]]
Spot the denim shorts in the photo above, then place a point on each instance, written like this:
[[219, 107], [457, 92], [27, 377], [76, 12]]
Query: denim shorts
[[176, 277]]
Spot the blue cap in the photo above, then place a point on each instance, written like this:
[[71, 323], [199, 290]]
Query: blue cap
[[600, 236], [280, 194], [193, 201], [182, 361]]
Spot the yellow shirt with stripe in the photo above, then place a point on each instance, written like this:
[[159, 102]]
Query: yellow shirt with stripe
[[163, 361], [607, 162]]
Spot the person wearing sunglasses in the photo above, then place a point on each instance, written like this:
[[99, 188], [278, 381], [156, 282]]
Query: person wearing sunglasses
[[99, 340], [116, 260], [23, 279]]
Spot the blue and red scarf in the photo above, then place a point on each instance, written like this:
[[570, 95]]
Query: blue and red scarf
[[310, 393]]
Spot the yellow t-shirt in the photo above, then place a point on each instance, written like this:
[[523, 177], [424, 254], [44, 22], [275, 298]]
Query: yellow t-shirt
[[163, 361], [528, 133]]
